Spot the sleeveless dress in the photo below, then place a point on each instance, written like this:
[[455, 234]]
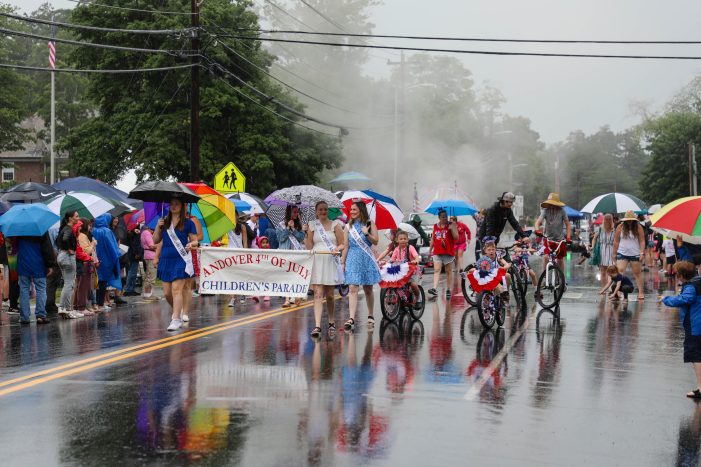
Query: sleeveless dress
[[170, 265], [606, 245], [324, 268], [360, 268]]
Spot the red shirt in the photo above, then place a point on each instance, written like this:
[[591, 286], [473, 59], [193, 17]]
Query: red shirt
[[443, 243], [464, 234]]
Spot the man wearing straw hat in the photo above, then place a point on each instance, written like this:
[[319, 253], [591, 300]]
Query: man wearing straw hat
[[553, 219]]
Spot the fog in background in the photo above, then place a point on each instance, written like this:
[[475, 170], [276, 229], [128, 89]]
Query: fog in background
[[466, 116]]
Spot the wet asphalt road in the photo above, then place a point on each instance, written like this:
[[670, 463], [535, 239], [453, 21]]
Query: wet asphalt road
[[602, 385]]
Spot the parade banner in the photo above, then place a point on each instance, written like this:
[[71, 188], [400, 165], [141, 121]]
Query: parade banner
[[240, 271]]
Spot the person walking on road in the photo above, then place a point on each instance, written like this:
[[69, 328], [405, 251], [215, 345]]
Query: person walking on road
[[35, 259], [359, 262], [629, 248], [445, 233], [556, 225], [325, 238], [175, 266], [67, 244], [290, 235], [462, 242], [604, 237]]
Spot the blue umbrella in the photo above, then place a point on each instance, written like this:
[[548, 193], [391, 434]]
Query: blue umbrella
[[27, 220], [240, 204], [454, 207], [351, 177], [573, 213]]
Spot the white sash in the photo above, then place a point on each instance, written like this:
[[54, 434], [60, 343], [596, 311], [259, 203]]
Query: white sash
[[293, 240], [361, 243], [327, 241], [184, 254], [234, 240]]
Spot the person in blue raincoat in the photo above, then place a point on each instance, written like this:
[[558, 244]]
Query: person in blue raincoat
[[108, 254], [689, 304]]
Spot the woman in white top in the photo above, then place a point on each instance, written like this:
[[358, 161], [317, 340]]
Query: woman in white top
[[326, 236], [605, 236], [629, 248]]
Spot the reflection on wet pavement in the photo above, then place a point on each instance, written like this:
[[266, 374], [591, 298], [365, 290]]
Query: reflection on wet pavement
[[588, 383]]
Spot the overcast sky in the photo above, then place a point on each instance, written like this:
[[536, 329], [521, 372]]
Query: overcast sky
[[558, 94]]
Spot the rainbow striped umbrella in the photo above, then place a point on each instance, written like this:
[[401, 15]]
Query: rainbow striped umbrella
[[682, 215]]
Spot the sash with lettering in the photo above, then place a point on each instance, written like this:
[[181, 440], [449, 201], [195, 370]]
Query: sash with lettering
[[327, 241], [234, 240], [361, 243], [184, 254], [293, 240]]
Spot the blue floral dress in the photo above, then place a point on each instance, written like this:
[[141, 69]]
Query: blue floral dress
[[360, 268]]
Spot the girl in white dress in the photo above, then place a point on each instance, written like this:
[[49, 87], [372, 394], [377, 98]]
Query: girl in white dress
[[326, 236]]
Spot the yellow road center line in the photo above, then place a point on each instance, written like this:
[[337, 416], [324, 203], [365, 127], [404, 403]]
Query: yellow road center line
[[181, 339], [140, 346]]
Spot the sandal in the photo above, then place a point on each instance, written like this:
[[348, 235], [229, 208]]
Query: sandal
[[371, 321], [695, 394], [332, 328], [348, 325], [316, 332], [287, 303]]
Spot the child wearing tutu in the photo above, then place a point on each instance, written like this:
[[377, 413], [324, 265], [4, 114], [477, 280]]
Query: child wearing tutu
[[405, 253]]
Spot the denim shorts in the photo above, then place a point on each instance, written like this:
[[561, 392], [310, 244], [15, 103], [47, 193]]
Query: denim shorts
[[632, 259]]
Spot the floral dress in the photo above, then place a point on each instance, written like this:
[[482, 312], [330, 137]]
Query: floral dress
[[360, 268]]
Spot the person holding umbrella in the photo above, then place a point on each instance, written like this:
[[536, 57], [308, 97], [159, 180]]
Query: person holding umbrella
[[359, 261], [35, 259], [175, 266], [445, 233]]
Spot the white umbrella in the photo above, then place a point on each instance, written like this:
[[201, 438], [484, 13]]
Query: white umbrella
[[409, 229], [88, 204], [614, 203], [654, 208], [673, 235]]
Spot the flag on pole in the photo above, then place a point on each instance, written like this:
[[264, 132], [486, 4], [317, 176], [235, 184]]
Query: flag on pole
[[415, 207], [52, 48]]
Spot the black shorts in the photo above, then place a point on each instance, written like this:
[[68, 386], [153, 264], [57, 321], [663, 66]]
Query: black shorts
[[671, 260], [692, 349]]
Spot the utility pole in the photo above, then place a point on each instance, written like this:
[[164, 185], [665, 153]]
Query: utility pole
[[52, 64], [693, 173], [195, 95], [399, 107]]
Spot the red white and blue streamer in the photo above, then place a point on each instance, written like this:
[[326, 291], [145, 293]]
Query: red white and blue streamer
[[482, 278], [395, 275]]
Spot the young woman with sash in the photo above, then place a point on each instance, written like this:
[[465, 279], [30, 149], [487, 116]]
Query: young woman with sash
[[325, 236], [237, 238], [359, 261], [175, 267], [290, 235]]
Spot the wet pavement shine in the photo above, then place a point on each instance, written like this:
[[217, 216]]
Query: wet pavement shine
[[600, 385]]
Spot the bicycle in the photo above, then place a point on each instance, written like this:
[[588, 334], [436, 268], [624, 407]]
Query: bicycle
[[395, 299], [519, 291], [490, 305], [551, 284]]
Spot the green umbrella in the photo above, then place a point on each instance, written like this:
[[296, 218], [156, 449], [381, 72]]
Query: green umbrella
[[614, 203], [88, 204]]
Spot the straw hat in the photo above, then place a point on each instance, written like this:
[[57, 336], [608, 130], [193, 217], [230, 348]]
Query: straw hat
[[553, 200], [630, 216]]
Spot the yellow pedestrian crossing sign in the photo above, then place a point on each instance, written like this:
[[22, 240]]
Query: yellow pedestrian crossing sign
[[230, 179]]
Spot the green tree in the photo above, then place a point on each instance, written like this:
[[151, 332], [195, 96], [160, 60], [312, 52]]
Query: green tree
[[666, 177], [143, 119], [13, 90]]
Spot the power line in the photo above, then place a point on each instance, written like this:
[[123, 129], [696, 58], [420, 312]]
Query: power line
[[96, 28], [85, 3], [472, 52], [176, 53], [241, 93], [77, 70], [468, 39]]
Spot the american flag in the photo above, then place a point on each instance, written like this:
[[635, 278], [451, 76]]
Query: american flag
[[52, 49]]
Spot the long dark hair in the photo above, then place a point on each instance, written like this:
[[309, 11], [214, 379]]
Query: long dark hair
[[85, 227], [288, 216], [364, 216], [66, 218], [630, 227], [181, 221]]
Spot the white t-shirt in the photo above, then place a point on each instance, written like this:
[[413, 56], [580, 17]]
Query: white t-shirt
[[668, 246]]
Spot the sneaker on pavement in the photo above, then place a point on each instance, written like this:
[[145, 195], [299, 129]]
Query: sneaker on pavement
[[232, 303], [195, 294], [433, 291], [185, 318], [175, 324]]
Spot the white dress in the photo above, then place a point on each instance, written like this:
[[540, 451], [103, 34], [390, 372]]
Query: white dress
[[324, 269]]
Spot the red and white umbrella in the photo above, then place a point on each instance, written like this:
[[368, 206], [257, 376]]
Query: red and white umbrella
[[382, 209]]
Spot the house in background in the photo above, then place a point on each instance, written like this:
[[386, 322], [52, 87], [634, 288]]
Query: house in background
[[31, 163]]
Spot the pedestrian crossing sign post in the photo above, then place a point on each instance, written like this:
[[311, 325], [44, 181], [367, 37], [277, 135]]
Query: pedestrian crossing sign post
[[230, 180]]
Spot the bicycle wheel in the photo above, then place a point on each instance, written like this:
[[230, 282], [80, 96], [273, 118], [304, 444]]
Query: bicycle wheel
[[523, 279], [390, 304], [500, 311], [420, 300], [516, 287], [551, 286], [486, 309], [467, 291]]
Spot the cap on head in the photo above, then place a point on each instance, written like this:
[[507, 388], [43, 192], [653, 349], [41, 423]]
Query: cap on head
[[507, 196]]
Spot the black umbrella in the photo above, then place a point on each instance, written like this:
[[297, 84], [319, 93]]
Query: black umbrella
[[159, 191], [29, 192]]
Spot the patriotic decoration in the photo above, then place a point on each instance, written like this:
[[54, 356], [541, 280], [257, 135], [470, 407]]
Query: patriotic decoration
[[383, 210], [484, 277], [52, 48], [395, 275]]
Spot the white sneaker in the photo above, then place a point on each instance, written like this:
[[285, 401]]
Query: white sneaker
[[232, 303], [175, 324], [195, 294], [106, 309], [185, 318], [74, 314]]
